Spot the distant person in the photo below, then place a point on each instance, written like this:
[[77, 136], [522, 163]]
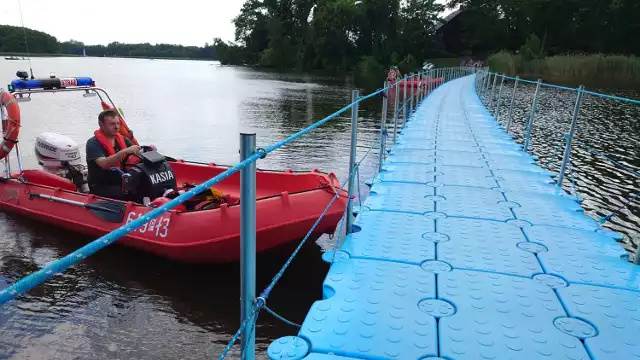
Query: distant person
[[105, 150], [394, 74]]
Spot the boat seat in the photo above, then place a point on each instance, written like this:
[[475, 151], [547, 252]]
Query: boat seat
[[41, 177]]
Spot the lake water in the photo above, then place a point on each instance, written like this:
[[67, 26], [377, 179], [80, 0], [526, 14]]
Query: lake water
[[123, 304], [609, 126]]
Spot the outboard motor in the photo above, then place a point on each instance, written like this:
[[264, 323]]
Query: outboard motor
[[60, 155], [150, 178]]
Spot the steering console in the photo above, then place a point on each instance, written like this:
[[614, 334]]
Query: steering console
[[144, 148]]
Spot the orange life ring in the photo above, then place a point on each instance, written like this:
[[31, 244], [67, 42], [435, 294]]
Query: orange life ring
[[10, 124]]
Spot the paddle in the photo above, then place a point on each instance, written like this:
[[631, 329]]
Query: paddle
[[112, 211]]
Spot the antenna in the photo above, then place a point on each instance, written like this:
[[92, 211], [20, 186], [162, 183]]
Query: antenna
[[26, 43]]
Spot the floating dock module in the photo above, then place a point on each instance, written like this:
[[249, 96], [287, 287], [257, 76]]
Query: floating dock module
[[465, 249]]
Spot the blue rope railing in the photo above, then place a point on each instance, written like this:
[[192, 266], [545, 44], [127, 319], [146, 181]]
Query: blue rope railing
[[605, 96], [574, 189], [280, 317], [606, 157], [618, 210], [39, 277], [554, 155]]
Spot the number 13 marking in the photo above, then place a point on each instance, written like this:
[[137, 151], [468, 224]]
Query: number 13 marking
[[158, 227]]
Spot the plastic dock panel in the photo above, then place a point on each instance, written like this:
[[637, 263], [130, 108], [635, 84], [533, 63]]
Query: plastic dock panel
[[371, 310], [392, 236], [409, 173], [499, 316], [485, 245], [466, 249], [401, 197], [614, 320]]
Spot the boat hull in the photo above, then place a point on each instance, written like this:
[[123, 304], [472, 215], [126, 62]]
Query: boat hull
[[414, 83], [206, 236]]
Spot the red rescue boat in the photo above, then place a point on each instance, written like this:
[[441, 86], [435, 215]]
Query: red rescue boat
[[410, 84], [205, 230]]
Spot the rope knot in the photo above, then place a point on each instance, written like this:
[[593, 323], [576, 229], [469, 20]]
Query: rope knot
[[261, 302], [262, 151]]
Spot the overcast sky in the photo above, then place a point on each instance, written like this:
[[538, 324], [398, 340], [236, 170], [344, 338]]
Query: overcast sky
[[186, 22]]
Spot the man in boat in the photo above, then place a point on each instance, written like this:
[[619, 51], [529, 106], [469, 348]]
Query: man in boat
[[106, 150]]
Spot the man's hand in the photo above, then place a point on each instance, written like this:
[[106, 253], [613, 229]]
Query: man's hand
[[133, 150], [114, 160]]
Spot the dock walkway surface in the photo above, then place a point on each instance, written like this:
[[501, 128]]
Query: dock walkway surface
[[466, 250]]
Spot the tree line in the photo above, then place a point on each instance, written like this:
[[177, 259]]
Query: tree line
[[346, 34], [342, 35], [12, 40], [560, 26], [334, 34]]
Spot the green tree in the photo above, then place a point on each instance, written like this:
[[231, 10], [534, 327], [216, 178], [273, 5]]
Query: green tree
[[333, 34], [12, 39], [532, 48], [418, 27]]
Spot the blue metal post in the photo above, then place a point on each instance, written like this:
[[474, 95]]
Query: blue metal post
[[352, 160], [484, 83], [531, 117], [383, 126], [247, 244], [404, 101], [493, 92], [395, 112], [567, 149], [426, 85], [486, 96], [513, 98], [496, 110], [419, 92], [412, 93]]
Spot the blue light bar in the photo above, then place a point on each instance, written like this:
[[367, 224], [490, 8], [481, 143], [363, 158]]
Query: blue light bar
[[52, 83]]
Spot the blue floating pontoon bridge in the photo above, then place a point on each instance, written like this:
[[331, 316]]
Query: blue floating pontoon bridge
[[467, 249]]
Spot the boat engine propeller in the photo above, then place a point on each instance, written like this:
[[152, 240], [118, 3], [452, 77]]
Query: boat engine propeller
[[60, 155]]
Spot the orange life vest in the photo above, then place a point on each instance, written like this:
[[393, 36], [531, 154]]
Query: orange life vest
[[110, 149]]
